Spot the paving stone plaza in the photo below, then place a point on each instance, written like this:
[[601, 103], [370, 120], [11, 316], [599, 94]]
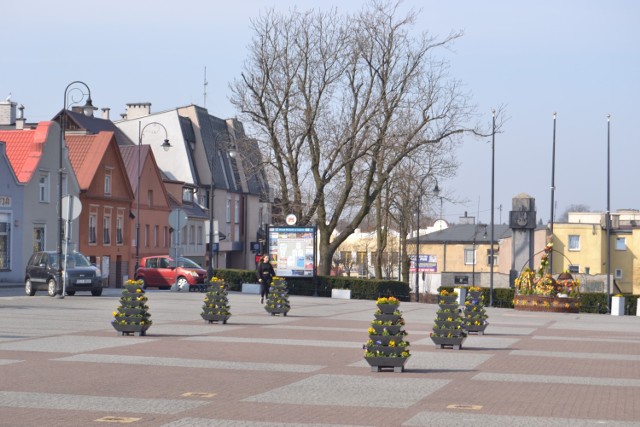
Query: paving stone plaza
[[63, 364]]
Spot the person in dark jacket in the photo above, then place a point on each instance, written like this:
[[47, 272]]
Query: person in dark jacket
[[265, 275]]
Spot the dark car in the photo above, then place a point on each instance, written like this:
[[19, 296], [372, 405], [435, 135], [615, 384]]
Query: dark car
[[162, 272], [41, 274]]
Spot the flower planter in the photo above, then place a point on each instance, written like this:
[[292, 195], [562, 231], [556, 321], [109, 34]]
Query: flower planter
[[132, 314], [391, 329], [444, 331], [388, 317], [453, 342], [278, 299], [277, 310], [474, 295], [385, 349], [452, 307], [215, 317], [130, 329], [546, 304], [379, 363], [387, 308], [447, 324], [385, 339], [448, 315], [131, 311], [448, 299], [216, 303], [475, 329]]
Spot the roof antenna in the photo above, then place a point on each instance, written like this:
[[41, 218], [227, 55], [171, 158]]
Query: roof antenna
[[205, 87]]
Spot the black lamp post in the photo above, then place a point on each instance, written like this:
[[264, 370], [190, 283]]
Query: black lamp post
[[212, 188], [553, 188], [608, 218], [165, 146], [77, 93], [493, 162]]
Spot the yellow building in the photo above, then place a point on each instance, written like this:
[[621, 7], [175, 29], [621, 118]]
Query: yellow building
[[580, 246]]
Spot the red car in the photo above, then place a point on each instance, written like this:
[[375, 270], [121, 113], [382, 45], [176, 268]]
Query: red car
[[161, 272]]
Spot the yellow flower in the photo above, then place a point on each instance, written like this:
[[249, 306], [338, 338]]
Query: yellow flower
[[392, 343], [115, 313]]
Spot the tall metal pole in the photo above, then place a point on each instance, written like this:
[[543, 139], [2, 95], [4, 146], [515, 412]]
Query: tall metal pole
[[418, 244], [553, 188], [608, 219], [88, 110], [493, 174], [165, 146], [211, 197], [138, 195]]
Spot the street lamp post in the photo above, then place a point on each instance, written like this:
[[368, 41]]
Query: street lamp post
[[73, 88], [553, 187], [165, 146], [493, 162], [212, 188], [608, 218]]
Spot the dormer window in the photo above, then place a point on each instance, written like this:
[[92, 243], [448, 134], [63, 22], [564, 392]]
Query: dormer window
[[187, 195]]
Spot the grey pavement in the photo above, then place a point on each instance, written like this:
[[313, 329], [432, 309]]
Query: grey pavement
[[62, 364]]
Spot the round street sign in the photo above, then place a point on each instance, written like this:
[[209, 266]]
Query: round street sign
[[291, 219], [177, 218], [71, 207]]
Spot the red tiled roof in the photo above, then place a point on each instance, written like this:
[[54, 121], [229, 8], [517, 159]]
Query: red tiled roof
[[86, 153], [24, 149]]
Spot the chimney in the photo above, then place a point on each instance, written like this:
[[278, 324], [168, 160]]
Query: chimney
[[105, 113], [7, 112], [20, 120], [137, 110]]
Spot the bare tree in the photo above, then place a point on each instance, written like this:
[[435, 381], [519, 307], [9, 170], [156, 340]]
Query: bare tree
[[338, 102], [573, 208]]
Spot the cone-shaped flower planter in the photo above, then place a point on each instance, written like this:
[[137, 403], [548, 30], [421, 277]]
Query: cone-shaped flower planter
[[132, 316]]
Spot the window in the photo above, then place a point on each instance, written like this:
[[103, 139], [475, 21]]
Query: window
[[106, 229], [574, 243], [150, 198], [156, 230], [165, 232], [107, 182], [202, 199], [192, 234], [199, 235], [5, 241], [469, 256], [618, 273], [621, 244], [495, 256], [38, 237], [236, 213], [228, 208], [146, 235], [93, 218], [574, 269], [119, 222], [44, 189], [187, 195]]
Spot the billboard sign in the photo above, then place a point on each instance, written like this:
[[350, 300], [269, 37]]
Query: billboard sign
[[292, 250], [428, 263]]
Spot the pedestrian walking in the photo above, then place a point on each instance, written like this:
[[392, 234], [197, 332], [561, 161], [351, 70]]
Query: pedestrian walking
[[265, 275]]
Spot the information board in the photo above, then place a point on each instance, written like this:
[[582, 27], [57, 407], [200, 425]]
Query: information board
[[292, 250], [428, 263]]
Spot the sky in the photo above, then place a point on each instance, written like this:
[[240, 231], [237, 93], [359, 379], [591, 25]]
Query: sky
[[579, 58]]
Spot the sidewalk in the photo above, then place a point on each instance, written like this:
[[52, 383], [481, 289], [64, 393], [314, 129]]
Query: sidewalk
[[62, 364]]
